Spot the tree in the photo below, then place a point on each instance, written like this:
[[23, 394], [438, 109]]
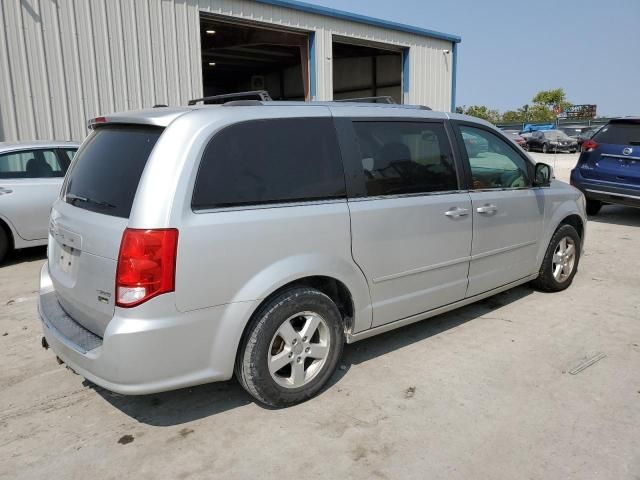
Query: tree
[[511, 116], [550, 99], [540, 113], [481, 111]]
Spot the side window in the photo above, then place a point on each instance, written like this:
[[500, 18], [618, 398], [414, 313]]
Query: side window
[[405, 157], [270, 161], [69, 153], [494, 163], [30, 164]]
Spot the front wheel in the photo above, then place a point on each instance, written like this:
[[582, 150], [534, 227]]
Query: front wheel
[[560, 262], [545, 148], [291, 348]]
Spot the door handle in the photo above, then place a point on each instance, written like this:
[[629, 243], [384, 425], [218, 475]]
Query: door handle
[[489, 208], [456, 212]]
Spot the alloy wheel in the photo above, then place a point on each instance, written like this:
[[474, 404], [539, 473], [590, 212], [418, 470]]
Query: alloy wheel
[[299, 349], [564, 259]]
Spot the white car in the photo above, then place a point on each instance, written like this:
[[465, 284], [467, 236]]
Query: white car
[[31, 174]]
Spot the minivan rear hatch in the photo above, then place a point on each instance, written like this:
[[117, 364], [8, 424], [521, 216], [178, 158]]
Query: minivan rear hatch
[[88, 220], [616, 154]]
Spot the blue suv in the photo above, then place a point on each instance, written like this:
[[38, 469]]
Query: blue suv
[[608, 170]]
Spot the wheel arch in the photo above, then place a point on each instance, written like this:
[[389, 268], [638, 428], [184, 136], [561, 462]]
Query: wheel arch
[[334, 288], [566, 215], [4, 225], [575, 221]]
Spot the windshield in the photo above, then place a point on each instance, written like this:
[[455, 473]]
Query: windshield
[[107, 169]]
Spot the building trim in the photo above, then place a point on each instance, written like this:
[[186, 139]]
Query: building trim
[[312, 65], [454, 73], [354, 17], [405, 73]]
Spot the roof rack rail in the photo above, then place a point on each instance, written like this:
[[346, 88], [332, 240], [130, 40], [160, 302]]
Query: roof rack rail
[[259, 94], [383, 99]]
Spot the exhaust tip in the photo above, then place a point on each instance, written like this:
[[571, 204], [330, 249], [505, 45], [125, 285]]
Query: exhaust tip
[[45, 344]]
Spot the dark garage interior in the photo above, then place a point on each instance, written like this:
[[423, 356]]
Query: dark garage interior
[[366, 71], [241, 57]]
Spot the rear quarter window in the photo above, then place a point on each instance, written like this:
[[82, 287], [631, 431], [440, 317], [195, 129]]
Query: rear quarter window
[[107, 169], [270, 161], [619, 133]]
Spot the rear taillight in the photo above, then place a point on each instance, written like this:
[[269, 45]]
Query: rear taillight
[[589, 146], [146, 265]]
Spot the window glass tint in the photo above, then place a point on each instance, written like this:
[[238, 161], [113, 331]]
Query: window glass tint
[[267, 161], [494, 162], [619, 133], [108, 168], [70, 153], [405, 157], [30, 164]]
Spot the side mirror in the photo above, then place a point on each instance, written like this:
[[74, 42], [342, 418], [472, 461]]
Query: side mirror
[[542, 176]]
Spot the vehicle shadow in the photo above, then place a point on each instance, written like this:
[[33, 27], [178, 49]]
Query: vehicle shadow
[[25, 255], [618, 215], [396, 339], [188, 404]]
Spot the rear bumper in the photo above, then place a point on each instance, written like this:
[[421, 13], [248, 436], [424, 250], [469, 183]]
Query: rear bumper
[[608, 192], [142, 355]]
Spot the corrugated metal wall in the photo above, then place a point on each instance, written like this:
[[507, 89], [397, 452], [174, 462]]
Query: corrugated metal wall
[[65, 61]]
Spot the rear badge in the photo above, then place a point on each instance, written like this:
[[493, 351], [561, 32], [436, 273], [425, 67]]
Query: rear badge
[[627, 151], [103, 296]]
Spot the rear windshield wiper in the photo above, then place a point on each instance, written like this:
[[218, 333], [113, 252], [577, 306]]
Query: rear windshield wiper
[[73, 197]]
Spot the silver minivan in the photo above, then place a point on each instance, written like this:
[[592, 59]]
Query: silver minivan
[[258, 237]]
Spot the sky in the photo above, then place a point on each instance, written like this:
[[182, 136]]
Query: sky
[[510, 50]]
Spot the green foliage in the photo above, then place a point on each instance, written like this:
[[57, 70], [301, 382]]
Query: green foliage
[[540, 113], [511, 116], [542, 109], [483, 112]]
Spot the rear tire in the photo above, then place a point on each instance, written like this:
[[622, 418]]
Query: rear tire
[[277, 363], [593, 207], [4, 244], [560, 262]]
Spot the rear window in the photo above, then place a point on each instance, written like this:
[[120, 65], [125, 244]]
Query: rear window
[[619, 133], [107, 168], [38, 163], [270, 161]]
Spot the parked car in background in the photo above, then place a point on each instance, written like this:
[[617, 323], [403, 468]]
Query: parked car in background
[[31, 175], [516, 137], [475, 143], [530, 128], [189, 243], [587, 134], [608, 170], [552, 141]]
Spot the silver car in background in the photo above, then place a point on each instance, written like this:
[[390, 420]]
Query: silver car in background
[[31, 175], [258, 237]]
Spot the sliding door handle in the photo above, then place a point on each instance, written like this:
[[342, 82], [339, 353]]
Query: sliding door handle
[[456, 212], [488, 208]]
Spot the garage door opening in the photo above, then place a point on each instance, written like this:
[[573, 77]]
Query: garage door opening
[[241, 57], [366, 71]]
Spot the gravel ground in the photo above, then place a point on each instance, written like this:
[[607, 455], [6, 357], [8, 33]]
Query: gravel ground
[[482, 392]]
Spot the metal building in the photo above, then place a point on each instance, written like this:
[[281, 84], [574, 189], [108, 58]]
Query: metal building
[[65, 61]]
